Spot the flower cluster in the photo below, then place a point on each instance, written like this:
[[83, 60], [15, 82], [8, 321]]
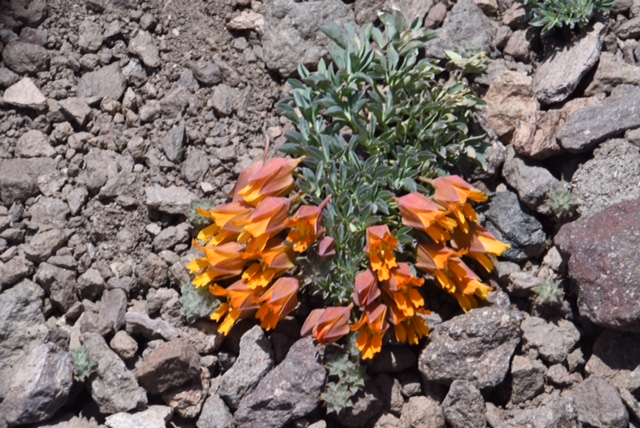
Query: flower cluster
[[387, 294], [251, 245]]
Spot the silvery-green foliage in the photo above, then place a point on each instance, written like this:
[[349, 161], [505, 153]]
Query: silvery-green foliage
[[548, 291], [552, 14], [346, 378], [197, 303], [83, 364]]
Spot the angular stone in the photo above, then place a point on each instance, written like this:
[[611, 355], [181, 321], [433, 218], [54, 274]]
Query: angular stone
[[599, 404], [91, 285], [600, 121], [253, 363], [465, 24], [153, 417], [612, 72], [247, 20], [112, 309], [143, 45], [107, 82], [207, 73], [215, 414], [476, 347], [507, 221], [535, 134], [558, 76], [173, 141], [616, 358], [77, 109], [553, 340], [89, 36], [527, 378], [292, 32], [603, 263], [170, 365], [187, 400], [51, 212], [421, 411], [532, 183], [25, 58], [113, 388], [150, 328], [34, 143], [559, 412], [508, 99], [7, 77], [25, 94], [464, 406], [172, 200], [195, 166], [14, 270], [364, 405], [40, 386], [124, 345], [629, 29], [60, 285], [288, 392], [604, 180], [44, 244]]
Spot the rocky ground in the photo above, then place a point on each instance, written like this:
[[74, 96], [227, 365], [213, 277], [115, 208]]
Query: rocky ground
[[115, 115]]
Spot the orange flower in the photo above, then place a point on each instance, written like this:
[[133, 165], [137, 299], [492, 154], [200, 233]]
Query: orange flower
[[242, 303], [278, 302], [371, 327], [480, 244], [380, 247], [468, 285], [243, 180], [329, 324], [268, 218], [366, 290], [273, 179], [432, 257], [412, 329], [306, 226], [453, 192], [422, 213], [277, 255], [327, 247], [259, 275], [230, 217], [402, 276], [221, 261]]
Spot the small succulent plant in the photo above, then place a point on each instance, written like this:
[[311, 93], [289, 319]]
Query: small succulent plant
[[548, 292], [83, 364], [197, 303], [193, 216], [563, 203], [346, 379]]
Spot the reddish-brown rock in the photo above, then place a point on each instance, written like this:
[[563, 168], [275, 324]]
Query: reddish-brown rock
[[170, 365]]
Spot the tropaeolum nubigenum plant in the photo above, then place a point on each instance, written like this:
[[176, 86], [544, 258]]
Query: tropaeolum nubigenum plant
[[366, 211]]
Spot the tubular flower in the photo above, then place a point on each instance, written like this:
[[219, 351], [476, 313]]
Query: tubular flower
[[278, 302], [453, 192], [230, 217], [480, 244], [468, 285], [243, 180], [327, 325], [402, 276], [380, 247], [277, 255], [273, 179], [306, 226], [366, 289], [259, 275], [433, 257], [221, 261], [420, 212], [242, 303], [412, 329], [268, 218], [371, 327], [327, 247]]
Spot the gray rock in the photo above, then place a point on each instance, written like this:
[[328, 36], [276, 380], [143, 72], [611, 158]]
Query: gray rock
[[421, 411], [49, 212], [215, 414], [14, 270], [207, 73], [616, 358], [553, 340], [150, 328], [153, 417], [22, 327], [527, 378], [224, 99], [518, 283], [466, 25], [152, 271], [364, 405], [535, 135], [104, 167], [558, 76], [629, 29], [391, 393], [520, 44], [76, 199], [171, 200], [170, 365], [558, 375], [143, 45], [476, 347], [559, 412], [34, 143], [604, 180], [107, 82], [292, 32], [91, 285], [44, 244], [180, 98], [124, 345], [532, 183], [77, 109], [507, 221], [253, 363], [464, 406], [112, 309], [195, 166], [60, 285], [187, 400], [148, 22], [112, 386], [600, 121], [7, 77], [603, 265], [436, 16], [612, 72], [172, 236], [599, 404], [25, 94], [40, 386], [89, 36], [173, 143], [25, 58], [288, 392]]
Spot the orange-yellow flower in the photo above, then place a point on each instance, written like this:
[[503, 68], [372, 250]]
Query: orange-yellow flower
[[268, 217], [371, 327], [420, 212], [381, 247], [273, 179], [327, 247], [453, 192], [327, 325], [366, 289], [306, 227], [479, 244], [259, 275], [402, 276], [230, 217], [412, 329], [278, 302], [468, 285], [277, 255], [226, 258], [243, 180], [242, 303], [432, 257]]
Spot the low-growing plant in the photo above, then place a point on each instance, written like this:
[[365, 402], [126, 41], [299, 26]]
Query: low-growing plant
[[548, 292], [193, 216], [346, 377], [369, 198], [563, 203], [197, 303], [83, 364], [552, 14]]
